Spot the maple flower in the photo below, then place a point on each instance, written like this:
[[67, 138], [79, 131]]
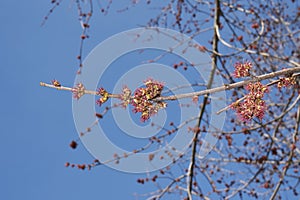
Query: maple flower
[[56, 83], [253, 105], [257, 90], [142, 99], [143, 96], [242, 69], [105, 96], [126, 96], [285, 82], [78, 91]]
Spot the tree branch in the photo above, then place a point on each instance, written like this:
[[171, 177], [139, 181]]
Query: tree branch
[[190, 173], [231, 86], [290, 158]]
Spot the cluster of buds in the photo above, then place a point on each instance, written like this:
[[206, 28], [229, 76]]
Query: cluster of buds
[[242, 69], [253, 105], [126, 96], [83, 166], [142, 99], [104, 96], [78, 91], [56, 83], [285, 82]]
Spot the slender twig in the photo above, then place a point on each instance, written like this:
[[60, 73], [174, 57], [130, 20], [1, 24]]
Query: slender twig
[[246, 161], [167, 188], [290, 158], [72, 89], [56, 4], [85, 26]]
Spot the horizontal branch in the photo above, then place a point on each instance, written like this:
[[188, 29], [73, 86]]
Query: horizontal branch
[[230, 86], [288, 71], [72, 89]]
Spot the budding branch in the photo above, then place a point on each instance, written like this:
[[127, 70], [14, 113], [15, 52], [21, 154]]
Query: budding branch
[[198, 93], [233, 85]]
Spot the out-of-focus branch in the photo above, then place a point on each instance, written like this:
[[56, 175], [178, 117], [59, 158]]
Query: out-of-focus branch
[[190, 173], [167, 188], [290, 158], [246, 45], [85, 26]]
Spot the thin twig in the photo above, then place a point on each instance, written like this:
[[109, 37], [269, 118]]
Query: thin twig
[[190, 173], [72, 89], [290, 158]]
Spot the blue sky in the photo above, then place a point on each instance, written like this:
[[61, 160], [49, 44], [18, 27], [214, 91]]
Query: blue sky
[[37, 123]]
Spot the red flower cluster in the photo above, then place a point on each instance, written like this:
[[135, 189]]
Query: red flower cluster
[[142, 99], [285, 82], [253, 105], [242, 69], [56, 83], [105, 96], [78, 91], [257, 90]]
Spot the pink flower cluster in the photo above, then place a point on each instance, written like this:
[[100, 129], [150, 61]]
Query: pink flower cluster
[[253, 105], [142, 99], [78, 91], [242, 69]]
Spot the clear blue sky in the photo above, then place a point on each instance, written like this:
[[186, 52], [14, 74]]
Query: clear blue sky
[[37, 123]]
